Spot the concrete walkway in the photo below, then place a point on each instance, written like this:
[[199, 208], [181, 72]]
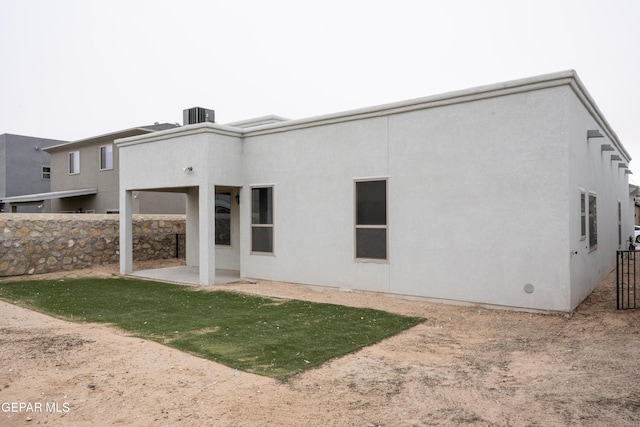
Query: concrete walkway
[[186, 274]]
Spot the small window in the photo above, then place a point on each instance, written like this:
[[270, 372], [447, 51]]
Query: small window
[[223, 219], [262, 219], [106, 157], [583, 215], [619, 224], [371, 219], [46, 172], [593, 222], [74, 162]]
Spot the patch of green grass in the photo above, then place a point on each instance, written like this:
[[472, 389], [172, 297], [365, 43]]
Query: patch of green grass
[[266, 336]]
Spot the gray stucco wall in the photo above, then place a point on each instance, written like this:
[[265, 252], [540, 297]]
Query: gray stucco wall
[[105, 181], [21, 161]]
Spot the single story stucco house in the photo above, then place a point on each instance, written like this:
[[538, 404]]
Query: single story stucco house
[[514, 194]]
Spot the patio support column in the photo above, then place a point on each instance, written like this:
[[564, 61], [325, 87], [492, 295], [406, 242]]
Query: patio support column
[[207, 234], [126, 232], [192, 227]]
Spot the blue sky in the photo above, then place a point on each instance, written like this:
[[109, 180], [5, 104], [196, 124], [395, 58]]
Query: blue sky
[[74, 69]]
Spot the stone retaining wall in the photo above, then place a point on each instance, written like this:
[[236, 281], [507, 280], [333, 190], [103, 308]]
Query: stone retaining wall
[[45, 243]]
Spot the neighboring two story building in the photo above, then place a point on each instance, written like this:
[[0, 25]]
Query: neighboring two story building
[[25, 168], [85, 179]]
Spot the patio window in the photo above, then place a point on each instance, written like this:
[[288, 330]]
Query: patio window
[[262, 219]]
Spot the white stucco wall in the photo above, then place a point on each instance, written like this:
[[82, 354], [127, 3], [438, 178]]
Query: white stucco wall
[[159, 160], [477, 201], [483, 193], [313, 170], [194, 161], [592, 171]]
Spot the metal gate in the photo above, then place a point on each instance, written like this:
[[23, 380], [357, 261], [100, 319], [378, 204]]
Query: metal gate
[[626, 280], [180, 245]]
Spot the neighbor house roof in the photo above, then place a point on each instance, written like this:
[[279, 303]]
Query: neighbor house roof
[[111, 136], [26, 198]]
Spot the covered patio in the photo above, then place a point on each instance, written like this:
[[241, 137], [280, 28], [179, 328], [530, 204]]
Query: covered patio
[[186, 274]]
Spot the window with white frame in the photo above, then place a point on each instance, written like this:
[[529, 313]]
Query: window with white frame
[[583, 215], [106, 157], [46, 172], [74, 162], [593, 222], [371, 219], [262, 219]]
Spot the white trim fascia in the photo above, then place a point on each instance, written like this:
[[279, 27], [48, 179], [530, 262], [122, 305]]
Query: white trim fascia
[[466, 95], [258, 121], [205, 127], [583, 95], [562, 78]]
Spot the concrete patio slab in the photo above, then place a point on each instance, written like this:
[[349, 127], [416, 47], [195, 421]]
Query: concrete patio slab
[[186, 274]]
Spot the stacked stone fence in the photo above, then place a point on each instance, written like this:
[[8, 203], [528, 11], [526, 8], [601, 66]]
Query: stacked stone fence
[[46, 243]]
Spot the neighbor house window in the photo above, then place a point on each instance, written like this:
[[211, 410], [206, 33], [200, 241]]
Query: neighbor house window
[[74, 162], [262, 219], [583, 215], [593, 222], [106, 157], [371, 219], [223, 219], [46, 172]]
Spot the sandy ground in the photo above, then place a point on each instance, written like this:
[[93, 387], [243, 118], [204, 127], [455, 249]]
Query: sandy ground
[[464, 365]]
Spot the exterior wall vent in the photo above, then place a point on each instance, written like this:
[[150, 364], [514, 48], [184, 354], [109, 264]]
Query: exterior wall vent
[[197, 115]]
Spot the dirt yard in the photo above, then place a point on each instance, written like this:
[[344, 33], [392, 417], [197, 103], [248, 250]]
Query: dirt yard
[[464, 365]]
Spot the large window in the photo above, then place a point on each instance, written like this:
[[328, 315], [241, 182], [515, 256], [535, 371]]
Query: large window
[[74, 162], [371, 219], [106, 157], [223, 219], [593, 222], [262, 219]]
